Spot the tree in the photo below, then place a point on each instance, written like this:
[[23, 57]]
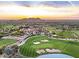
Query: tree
[[1, 51]]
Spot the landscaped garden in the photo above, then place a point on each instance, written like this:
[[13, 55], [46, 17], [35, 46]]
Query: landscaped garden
[[38, 43]]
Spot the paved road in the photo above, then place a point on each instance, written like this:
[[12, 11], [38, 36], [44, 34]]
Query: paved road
[[23, 42]]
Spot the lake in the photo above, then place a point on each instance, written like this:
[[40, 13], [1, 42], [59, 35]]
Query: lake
[[55, 56]]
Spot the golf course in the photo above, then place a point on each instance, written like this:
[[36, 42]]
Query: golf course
[[42, 42], [5, 42]]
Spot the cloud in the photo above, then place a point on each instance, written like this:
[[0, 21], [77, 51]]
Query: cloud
[[45, 9]]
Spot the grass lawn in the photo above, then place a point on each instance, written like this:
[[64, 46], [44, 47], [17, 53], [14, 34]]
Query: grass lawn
[[67, 34], [76, 31], [53, 29], [67, 47], [5, 42]]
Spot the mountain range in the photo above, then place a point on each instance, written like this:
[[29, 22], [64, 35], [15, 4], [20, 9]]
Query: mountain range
[[35, 20]]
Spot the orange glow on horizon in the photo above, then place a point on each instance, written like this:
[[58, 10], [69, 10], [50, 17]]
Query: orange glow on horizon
[[47, 12]]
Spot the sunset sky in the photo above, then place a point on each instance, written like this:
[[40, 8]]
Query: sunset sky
[[13, 10]]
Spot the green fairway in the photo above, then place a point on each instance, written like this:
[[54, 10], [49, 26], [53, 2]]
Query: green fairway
[[67, 34], [5, 42], [76, 31], [67, 47], [53, 29]]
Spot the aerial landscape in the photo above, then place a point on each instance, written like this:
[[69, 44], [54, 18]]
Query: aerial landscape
[[39, 29]]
